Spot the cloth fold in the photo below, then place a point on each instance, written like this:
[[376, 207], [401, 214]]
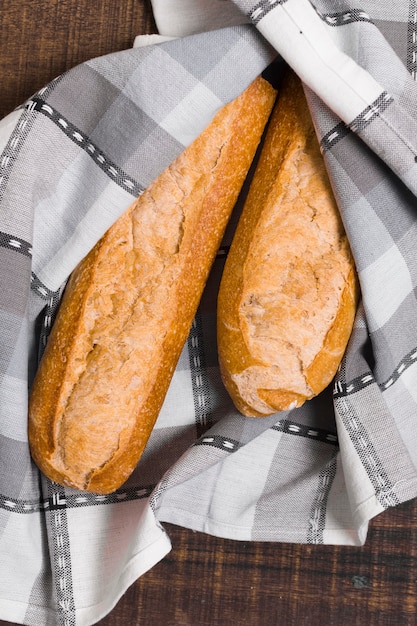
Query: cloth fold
[[73, 158]]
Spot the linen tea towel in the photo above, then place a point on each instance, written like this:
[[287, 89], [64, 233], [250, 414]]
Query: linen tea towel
[[353, 449]]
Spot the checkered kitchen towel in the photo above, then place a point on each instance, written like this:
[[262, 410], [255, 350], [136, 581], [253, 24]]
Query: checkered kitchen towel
[[73, 158]]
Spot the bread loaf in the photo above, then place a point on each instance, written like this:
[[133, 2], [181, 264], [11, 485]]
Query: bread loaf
[[128, 307], [289, 290]]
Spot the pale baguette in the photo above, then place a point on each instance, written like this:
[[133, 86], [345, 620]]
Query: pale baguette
[[128, 307], [289, 292]]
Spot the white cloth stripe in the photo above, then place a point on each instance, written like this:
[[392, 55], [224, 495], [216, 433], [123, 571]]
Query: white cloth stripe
[[337, 79]]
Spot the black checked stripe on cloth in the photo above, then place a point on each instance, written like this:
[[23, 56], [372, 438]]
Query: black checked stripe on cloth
[[80, 139], [317, 521], [332, 19], [263, 8], [285, 425], [12, 149], [15, 243], [59, 537], [52, 297], [18, 136], [340, 19], [59, 501], [301, 430], [373, 110], [359, 383], [412, 40], [201, 391], [383, 487], [360, 122], [40, 289]]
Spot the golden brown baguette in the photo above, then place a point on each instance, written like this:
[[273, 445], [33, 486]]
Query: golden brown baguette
[[283, 332], [128, 307]]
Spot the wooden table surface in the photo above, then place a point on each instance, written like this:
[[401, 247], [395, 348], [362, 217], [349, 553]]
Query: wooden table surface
[[206, 581]]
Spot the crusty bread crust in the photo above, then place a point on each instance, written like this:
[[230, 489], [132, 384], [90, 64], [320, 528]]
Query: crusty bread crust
[[282, 334], [128, 307]]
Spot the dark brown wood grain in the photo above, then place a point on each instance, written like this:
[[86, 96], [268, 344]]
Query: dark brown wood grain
[[215, 582], [41, 39], [207, 581]]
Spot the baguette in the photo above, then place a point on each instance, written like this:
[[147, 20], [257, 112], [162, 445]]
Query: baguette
[[282, 334], [128, 307]]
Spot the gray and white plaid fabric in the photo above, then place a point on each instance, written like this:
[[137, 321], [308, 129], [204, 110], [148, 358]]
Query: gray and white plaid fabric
[[73, 158]]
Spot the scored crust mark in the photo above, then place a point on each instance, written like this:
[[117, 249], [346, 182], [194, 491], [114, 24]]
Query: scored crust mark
[[90, 354], [131, 319], [284, 316]]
